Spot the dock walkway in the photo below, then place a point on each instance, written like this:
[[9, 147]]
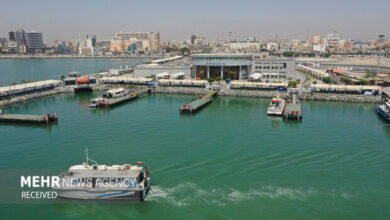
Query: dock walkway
[[198, 104], [293, 109], [36, 119], [115, 101]]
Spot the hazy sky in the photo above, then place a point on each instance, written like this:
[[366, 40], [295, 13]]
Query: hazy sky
[[178, 19]]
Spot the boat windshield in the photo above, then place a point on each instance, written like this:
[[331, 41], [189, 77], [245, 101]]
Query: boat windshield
[[276, 103], [107, 95]]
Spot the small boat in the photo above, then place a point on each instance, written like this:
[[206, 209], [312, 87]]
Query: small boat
[[384, 110], [112, 97], [102, 182], [277, 106]]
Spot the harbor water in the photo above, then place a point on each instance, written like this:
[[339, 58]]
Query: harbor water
[[228, 161], [16, 70]]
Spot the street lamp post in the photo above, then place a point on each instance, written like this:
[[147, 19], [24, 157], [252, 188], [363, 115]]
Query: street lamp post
[[381, 38]]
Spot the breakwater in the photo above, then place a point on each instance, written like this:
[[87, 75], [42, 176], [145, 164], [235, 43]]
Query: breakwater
[[269, 94], [28, 97], [201, 91]]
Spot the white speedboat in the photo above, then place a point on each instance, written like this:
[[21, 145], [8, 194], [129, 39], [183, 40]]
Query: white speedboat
[[112, 97], [277, 106], [384, 110], [95, 182]]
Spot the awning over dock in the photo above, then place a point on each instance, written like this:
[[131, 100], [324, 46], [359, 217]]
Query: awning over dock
[[162, 75], [124, 79], [246, 84], [255, 76], [183, 82], [316, 73], [28, 87], [345, 87], [177, 75]]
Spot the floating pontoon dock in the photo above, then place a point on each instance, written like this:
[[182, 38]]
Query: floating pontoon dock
[[36, 119], [293, 109], [116, 101], [198, 104]]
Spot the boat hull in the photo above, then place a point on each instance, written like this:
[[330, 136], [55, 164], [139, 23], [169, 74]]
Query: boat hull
[[380, 111], [112, 194], [277, 112]]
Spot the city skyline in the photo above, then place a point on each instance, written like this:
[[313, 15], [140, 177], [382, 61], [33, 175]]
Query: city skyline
[[213, 20]]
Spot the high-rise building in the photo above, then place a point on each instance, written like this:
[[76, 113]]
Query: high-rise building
[[93, 39], [150, 41], [20, 37], [11, 36], [333, 36], [88, 46], [193, 37], [34, 42]]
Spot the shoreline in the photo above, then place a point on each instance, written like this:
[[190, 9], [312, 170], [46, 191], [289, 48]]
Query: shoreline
[[344, 98], [329, 97], [57, 57]]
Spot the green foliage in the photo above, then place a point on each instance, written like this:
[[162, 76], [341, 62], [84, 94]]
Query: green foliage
[[171, 49], [311, 55], [369, 75], [62, 77], [326, 80], [326, 55], [184, 51], [292, 84], [210, 80], [218, 78], [288, 54], [347, 81], [364, 82]]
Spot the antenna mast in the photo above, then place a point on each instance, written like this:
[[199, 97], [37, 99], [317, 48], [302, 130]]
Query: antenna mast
[[89, 159]]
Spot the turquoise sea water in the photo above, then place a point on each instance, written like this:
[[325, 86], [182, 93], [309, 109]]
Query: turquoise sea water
[[16, 70], [229, 161]]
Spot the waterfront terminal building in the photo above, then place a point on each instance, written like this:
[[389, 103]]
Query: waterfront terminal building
[[242, 66]]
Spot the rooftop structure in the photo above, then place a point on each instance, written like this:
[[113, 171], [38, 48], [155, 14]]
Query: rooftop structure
[[28, 87], [170, 65], [34, 42], [241, 66], [149, 41]]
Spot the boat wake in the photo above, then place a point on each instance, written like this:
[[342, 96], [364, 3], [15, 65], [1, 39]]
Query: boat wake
[[188, 193]]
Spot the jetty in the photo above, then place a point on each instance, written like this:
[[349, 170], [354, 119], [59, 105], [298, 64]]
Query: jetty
[[198, 104], [116, 101], [293, 109], [32, 119]]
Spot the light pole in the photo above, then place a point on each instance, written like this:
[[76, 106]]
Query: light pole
[[380, 41], [230, 37]]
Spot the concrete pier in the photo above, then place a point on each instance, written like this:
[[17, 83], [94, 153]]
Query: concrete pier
[[293, 109], [35, 119], [198, 104], [116, 101]]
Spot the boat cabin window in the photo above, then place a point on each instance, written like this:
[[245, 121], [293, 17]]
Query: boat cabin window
[[94, 167], [107, 95], [69, 174], [140, 177]]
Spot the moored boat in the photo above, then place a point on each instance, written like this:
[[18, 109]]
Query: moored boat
[[277, 106], [112, 97], [384, 110]]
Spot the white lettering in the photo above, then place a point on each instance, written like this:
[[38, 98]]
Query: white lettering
[[25, 181], [35, 180]]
